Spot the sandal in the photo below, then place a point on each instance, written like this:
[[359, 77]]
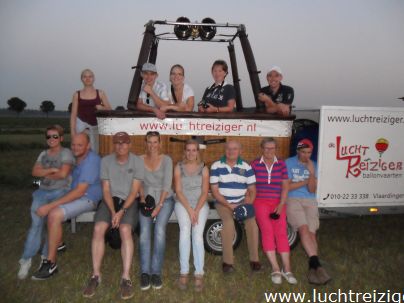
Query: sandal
[[198, 283], [183, 281]]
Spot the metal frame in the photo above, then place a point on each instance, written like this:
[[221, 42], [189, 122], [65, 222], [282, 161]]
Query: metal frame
[[148, 53]]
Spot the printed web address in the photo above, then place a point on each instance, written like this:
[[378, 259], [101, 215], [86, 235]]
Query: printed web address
[[337, 296], [382, 119]]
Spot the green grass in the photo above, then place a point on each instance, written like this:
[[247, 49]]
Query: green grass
[[361, 254]]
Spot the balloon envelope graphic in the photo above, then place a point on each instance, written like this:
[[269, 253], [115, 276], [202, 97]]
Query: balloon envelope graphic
[[381, 145]]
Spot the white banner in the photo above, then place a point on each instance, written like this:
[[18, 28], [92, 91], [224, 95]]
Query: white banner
[[199, 126], [361, 155]]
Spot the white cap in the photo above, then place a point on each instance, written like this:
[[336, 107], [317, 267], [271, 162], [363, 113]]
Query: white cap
[[276, 69]]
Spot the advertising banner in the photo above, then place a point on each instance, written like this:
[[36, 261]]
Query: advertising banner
[[200, 126], [361, 155]]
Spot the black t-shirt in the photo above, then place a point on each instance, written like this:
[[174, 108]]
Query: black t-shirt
[[219, 95], [285, 94]]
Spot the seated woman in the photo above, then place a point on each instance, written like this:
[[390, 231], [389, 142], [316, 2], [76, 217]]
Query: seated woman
[[272, 190], [221, 96], [154, 93], [180, 94], [158, 174], [191, 178]]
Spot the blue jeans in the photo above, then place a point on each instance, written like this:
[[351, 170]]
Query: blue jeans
[[152, 262], [186, 227], [34, 237]]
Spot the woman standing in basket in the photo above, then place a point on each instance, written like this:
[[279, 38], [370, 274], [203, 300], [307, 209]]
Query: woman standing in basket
[[84, 104], [191, 178], [220, 97], [158, 174]]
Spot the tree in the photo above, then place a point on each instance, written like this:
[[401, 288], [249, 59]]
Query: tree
[[16, 104], [47, 107]]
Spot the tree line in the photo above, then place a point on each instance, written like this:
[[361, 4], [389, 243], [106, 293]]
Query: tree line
[[17, 105]]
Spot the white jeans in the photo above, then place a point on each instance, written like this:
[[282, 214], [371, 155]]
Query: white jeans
[[186, 227], [91, 130]]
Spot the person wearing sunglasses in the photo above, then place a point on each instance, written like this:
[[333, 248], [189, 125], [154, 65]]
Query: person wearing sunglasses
[[272, 191], [53, 167], [153, 94], [85, 103], [83, 196]]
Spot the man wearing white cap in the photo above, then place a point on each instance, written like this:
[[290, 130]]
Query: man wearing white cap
[[276, 96], [154, 93]]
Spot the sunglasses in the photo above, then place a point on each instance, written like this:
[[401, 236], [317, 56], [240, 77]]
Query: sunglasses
[[52, 136]]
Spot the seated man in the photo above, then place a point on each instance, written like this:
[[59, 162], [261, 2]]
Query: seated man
[[277, 97], [302, 209], [84, 195], [53, 166], [121, 174], [233, 183], [154, 93]]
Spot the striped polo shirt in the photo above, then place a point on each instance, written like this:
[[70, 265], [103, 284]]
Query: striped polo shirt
[[232, 181], [269, 179]]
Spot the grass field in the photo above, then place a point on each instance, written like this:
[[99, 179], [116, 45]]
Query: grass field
[[362, 255]]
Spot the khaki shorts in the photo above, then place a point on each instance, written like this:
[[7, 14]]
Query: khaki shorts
[[131, 217], [303, 212]]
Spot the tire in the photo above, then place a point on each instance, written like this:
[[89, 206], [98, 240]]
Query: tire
[[212, 238], [293, 237]]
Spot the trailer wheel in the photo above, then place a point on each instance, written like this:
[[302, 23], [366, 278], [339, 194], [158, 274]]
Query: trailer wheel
[[293, 237], [212, 237]]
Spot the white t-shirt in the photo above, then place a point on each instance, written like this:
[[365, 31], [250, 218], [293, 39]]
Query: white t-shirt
[[159, 88], [186, 93]]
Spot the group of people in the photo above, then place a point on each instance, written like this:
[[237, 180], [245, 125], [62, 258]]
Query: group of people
[[156, 97], [75, 181], [126, 189]]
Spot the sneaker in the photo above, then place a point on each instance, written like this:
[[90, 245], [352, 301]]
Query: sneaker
[[92, 285], [289, 277], [227, 268], [144, 281], [156, 281], [47, 270], [276, 277], [322, 275], [62, 247], [126, 289], [255, 266], [25, 265], [43, 258]]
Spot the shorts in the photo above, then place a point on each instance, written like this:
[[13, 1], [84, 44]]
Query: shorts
[[301, 211], [131, 217], [77, 207]]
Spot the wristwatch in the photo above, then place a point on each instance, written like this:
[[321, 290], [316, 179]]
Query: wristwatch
[[125, 210]]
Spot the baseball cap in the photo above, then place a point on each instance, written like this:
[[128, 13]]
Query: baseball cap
[[149, 67], [276, 69], [304, 143], [121, 137], [243, 212]]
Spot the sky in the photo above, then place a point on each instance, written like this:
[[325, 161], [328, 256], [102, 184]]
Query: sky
[[346, 52]]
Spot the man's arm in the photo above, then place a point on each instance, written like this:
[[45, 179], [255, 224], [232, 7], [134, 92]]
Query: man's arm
[[147, 108], [62, 172], [117, 217], [312, 180], [39, 171], [219, 197], [250, 194]]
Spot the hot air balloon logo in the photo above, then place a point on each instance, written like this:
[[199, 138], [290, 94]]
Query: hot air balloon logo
[[381, 145]]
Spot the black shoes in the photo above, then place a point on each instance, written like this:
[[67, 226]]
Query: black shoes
[[144, 281], [47, 270]]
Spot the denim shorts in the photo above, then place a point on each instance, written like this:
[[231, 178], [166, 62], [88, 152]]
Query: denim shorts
[[77, 207]]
